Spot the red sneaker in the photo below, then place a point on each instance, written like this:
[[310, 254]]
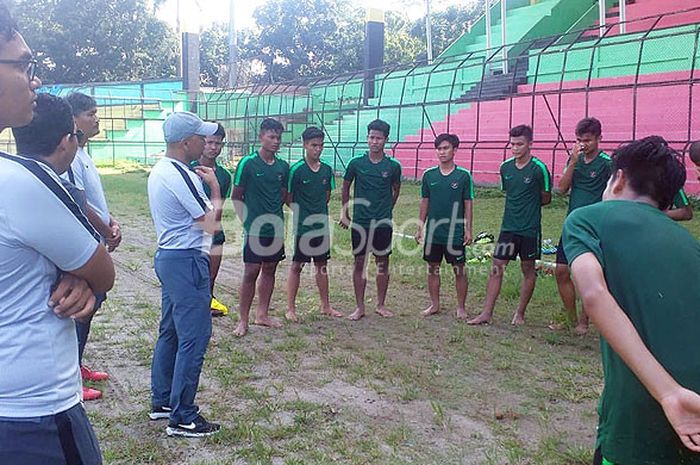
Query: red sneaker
[[91, 394], [90, 375]]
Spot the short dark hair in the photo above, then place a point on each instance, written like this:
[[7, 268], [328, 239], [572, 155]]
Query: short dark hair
[[652, 167], [312, 132], [522, 130], [8, 26], [53, 119], [220, 130], [589, 126], [270, 124], [694, 152], [451, 138], [379, 125], [80, 102]]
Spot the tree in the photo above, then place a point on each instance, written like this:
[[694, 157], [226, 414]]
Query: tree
[[99, 40], [447, 25], [399, 46], [213, 54]]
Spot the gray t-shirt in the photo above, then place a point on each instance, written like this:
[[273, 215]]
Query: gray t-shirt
[[39, 236]]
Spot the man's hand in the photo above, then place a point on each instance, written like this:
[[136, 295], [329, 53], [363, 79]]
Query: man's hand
[[682, 408], [72, 298], [467, 238], [116, 238], [207, 174], [344, 221], [419, 235], [575, 154]]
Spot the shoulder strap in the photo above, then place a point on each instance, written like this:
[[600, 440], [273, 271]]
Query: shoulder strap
[[190, 186], [46, 179]]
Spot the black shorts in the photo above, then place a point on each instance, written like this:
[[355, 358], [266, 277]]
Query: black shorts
[[561, 256], [375, 240], [219, 238], [454, 255], [510, 245], [259, 249], [308, 247]]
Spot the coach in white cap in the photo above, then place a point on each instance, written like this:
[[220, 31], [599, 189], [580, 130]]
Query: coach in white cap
[[184, 219]]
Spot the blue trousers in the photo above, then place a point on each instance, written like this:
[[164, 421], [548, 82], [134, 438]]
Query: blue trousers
[[185, 329], [82, 328], [66, 438]]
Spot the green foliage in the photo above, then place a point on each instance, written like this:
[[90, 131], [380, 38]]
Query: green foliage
[[100, 40], [448, 24]]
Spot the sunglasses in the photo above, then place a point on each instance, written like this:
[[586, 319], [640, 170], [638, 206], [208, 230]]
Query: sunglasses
[[29, 64], [78, 134]]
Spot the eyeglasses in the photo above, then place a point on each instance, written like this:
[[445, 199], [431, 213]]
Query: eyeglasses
[[30, 66], [78, 133]]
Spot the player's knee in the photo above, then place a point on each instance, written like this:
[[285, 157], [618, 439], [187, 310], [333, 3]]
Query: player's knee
[[562, 274]]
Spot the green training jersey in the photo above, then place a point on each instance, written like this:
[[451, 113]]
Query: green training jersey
[[524, 187], [265, 187], [589, 181], [373, 189], [652, 269], [446, 194], [310, 189], [223, 176], [681, 199]]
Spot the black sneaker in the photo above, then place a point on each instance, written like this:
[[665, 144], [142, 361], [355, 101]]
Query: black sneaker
[[199, 428], [163, 412]]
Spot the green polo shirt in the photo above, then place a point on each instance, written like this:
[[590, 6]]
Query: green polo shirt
[[652, 269], [373, 189], [446, 194], [310, 189], [524, 187], [265, 187], [589, 181], [223, 176]]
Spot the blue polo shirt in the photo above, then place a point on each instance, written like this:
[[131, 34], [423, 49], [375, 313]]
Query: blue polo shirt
[[177, 199], [41, 233]]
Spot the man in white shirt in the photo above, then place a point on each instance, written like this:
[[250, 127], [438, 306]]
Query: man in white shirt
[[83, 174], [185, 220], [50, 267]]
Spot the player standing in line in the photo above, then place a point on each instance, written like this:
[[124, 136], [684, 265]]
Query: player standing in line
[[527, 184], [310, 184], [377, 179], [447, 192], [259, 192], [585, 177]]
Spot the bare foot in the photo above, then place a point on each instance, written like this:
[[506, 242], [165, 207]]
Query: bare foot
[[357, 314], [384, 312], [580, 329], [432, 310], [291, 315], [518, 320], [461, 313], [330, 311], [481, 319], [268, 321], [241, 330]]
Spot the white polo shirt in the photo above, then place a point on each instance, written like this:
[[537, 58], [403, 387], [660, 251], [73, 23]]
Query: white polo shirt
[[39, 235], [175, 204], [86, 178]]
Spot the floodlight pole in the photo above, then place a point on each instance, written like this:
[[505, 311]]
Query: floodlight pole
[[601, 18], [504, 35], [428, 31], [232, 46], [488, 26], [623, 16]]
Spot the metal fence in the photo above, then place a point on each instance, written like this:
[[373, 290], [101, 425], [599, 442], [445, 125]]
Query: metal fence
[[638, 83]]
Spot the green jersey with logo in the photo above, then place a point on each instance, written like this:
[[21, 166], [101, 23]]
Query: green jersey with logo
[[681, 199], [589, 181], [446, 194], [223, 176], [265, 187], [651, 266], [373, 189], [524, 187], [310, 189]]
